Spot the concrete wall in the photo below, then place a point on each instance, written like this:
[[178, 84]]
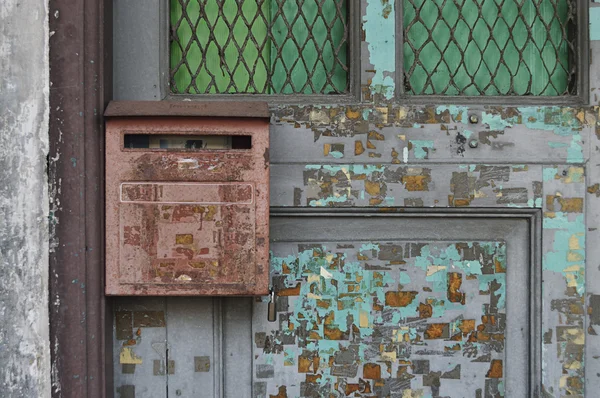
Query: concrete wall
[[24, 89]]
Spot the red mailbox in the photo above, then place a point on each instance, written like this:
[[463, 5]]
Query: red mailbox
[[187, 198]]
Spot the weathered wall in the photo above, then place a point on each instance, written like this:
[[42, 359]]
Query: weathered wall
[[24, 88]]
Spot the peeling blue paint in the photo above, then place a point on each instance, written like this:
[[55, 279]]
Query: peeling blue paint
[[419, 147], [455, 111], [559, 120], [494, 121], [568, 247], [549, 173], [594, 23], [379, 27]]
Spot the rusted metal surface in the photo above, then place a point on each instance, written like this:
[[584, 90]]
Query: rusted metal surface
[[183, 221]]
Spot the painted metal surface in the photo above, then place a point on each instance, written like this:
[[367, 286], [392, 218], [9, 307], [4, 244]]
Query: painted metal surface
[[182, 347], [431, 316], [187, 221]]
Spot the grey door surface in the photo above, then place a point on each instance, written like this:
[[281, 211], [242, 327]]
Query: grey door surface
[[182, 347], [378, 304], [442, 302]]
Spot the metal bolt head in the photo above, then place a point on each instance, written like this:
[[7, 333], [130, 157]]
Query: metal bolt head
[[473, 119], [473, 143]]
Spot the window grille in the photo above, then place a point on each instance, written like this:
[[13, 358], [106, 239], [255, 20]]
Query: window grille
[[259, 46], [490, 47]]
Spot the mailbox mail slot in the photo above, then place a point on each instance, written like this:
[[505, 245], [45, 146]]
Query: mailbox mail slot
[[187, 199]]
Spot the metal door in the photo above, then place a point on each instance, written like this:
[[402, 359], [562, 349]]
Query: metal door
[[365, 306]]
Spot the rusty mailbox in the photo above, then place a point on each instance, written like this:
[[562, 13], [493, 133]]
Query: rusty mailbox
[[187, 198]]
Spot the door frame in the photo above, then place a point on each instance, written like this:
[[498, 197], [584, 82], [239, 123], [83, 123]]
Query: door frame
[[80, 56]]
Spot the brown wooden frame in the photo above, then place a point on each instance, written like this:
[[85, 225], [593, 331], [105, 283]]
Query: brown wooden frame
[[80, 88]]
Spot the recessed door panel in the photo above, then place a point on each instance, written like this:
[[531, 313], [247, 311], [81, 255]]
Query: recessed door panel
[[382, 306]]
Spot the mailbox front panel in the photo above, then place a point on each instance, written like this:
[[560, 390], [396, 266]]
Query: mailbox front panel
[[186, 213]]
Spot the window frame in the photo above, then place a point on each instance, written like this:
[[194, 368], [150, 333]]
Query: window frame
[[581, 71], [351, 96]]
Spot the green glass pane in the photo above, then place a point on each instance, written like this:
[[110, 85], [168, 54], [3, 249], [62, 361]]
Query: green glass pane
[[259, 46], [487, 47], [228, 52], [309, 46]]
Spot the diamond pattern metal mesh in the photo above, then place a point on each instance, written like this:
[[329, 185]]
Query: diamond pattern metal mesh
[[489, 47], [259, 46]]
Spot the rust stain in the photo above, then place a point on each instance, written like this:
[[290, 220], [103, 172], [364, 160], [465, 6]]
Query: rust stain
[[358, 148], [416, 183], [281, 394], [131, 235], [425, 310], [436, 331], [399, 299], [353, 114], [372, 187], [290, 291], [334, 333], [454, 283], [362, 386], [372, 371], [467, 326], [374, 135], [571, 205], [184, 239], [495, 371]]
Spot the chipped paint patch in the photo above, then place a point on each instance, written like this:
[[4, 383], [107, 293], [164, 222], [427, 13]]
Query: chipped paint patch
[[127, 356], [495, 121], [352, 331], [562, 121], [568, 251], [594, 23], [457, 113], [421, 148]]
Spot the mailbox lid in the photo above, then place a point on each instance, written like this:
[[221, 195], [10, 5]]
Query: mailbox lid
[[227, 109]]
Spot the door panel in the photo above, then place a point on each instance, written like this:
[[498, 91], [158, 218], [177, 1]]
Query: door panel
[[385, 305], [182, 347], [139, 349]]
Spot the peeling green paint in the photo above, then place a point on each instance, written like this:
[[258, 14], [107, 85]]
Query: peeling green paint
[[594, 23], [561, 121], [455, 112], [379, 27], [329, 200], [549, 173], [495, 121], [568, 248], [420, 146], [342, 319]]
